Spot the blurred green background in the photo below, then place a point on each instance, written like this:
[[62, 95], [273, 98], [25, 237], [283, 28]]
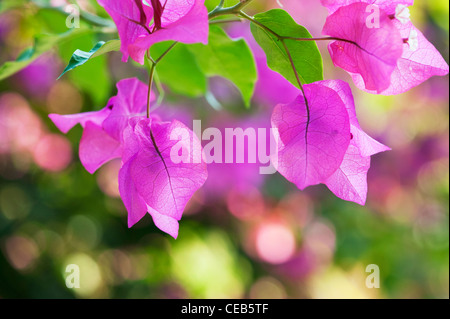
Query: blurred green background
[[240, 238]]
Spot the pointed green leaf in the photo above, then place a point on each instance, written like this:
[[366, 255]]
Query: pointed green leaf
[[42, 44], [305, 54], [110, 46], [80, 57], [94, 79]]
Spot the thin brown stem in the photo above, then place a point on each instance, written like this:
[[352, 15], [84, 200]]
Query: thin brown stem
[[321, 39], [165, 52], [153, 64], [288, 53], [217, 21], [282, 40], [282, 37], [262, 26], [291, 61], [297, 76], [220, 11]]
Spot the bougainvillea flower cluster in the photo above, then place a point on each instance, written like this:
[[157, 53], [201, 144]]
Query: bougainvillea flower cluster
[[141, 24], [319, 139], [388, 58]]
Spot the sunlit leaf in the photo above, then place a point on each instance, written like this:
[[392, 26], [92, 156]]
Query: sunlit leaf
[[305, 54], [179, 70], [93, 79], [42, 44], [80, 57], [231, 59]]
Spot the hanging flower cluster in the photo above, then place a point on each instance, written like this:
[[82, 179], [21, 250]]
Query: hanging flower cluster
[[319, 138]]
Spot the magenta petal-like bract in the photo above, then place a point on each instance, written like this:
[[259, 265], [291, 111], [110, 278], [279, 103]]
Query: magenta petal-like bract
[[131, 100], [66, 122], [97, 147], [186, 21], [166, 223], [129, 21], [140, 26], [345, 93], [102, 137], [366, 145], [415, 66], [313, 137], [373, 52], [163, 184], [349, 182], [387, 6], [325, 145], [133, 202]]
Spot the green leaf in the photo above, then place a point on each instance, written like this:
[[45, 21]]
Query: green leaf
[[42, 44], [10, 4], [179, 70], [110, 46], [80, 57], [305, 54], [94, 79], [211, 4], [231, 59]]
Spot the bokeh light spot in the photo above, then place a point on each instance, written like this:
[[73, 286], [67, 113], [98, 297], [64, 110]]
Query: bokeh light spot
[[275, 243]]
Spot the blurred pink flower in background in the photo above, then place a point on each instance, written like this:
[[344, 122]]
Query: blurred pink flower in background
[[23, 134], [239, 177], [108, 178], [38, 78], [275, 242], [53, 152], [21, 127], [310, 14], [246, 203]]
